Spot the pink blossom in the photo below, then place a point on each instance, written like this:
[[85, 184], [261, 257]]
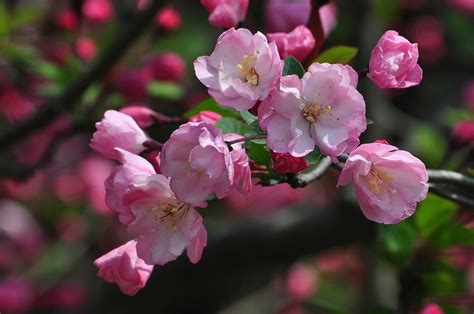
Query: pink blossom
[[123, 267], [133, 84], [463, 132], [301, 282], [393, 63], [93, 171], [431, 308], [143, 116], [168, 19], [210, 117], [226, 13], [14, 105], [67, 19], [388, 182], [322, 109], [243, 69], [117, 130], [16, 295], [198, 162], [285, 15], [240, 159], [285, 163], [134, 170], [465, 5], [99, 11], [167, 66], [299, 43], [328, 16], [86, 48], [428, 32]]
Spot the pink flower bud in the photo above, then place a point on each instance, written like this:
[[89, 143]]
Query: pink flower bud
[[393, 63], [143, 116], [14, 105], [133, 84], [328, 16], [301, 282], [187, 158], [167, 67], [285, 15], [226, 13], [98, 11], [16, 295], [285, 163], [463, 132], [464, 5], [67, 20], [86, 48], [242, 70], [168, 19], [210, 117], [428, 32], [299, 43], [123, 267], [117, 130], [388, 182], [431, 308]]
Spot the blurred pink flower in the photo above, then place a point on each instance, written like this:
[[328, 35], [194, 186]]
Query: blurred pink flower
[[242, 69], [167, 66], [133, 84], [463, 132], [16, 295], [393, 63], [299, 43], [187, 158], [428, 33], [226, 13], [98, 11], [86, 48], [328, 16], [388, 182], [93, 172], [285, 163], [143, 116], [117, 130], [465, 5], [210, 117], [123, 267], [322, 109], [168, 19], [67, 186], [285, 15], [27, 189], [67, 19], [431, 308], [301, 282], [14, 105]]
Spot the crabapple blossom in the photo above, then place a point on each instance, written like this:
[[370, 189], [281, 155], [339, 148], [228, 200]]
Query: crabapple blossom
[[285, 15], [242, 69], [198, 162], [388, 182], [123, 267], [226, 13], [328, 17], [167, 66], [463, 132], [86, 48], [299, 43], [322, 109], [431, 308], [143, 116], [117, 130], [210, 117], [168, 19], [393, 63], [285, 163], [99, 11], [301, 282], [133, 170]]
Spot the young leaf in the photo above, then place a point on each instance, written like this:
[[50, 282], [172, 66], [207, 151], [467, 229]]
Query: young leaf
[[211, 105], [313, 157], [231, 125], [167, 91], [248, 117], [338, 54], [398, 241], [258, 153], [433, 214], [293, 66]]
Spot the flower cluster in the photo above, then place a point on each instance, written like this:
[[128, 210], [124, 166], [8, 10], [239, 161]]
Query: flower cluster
[[157, 190]]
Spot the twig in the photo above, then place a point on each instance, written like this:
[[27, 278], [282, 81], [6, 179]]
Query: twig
[[245, 139], [447, 192], [303, 179], [69, 97]]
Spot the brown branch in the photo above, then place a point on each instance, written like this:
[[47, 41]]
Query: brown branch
[[68, 100]]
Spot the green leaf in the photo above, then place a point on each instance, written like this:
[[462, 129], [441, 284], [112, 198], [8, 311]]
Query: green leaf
[[231, 125], [211, 105], [248, 117], [338, 54], [168, 91], [293, 66], [442, 279], [428, 143], [313, 157], [49, 70], [433, 214], [398, 241], [453, 234], [258, 153]]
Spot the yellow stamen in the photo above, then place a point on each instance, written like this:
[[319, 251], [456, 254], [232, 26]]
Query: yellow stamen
[[314, 112], [247, 69], [378, 180]]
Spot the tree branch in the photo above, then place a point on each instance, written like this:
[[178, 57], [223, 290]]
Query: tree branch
[[69, 97]]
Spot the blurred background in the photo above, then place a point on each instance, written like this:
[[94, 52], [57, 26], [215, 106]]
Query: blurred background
[[281, 250]]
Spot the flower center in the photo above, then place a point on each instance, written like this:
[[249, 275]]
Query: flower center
[[173, 211], [247, 69], [378, 180], [314, 112], [190, 171]]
